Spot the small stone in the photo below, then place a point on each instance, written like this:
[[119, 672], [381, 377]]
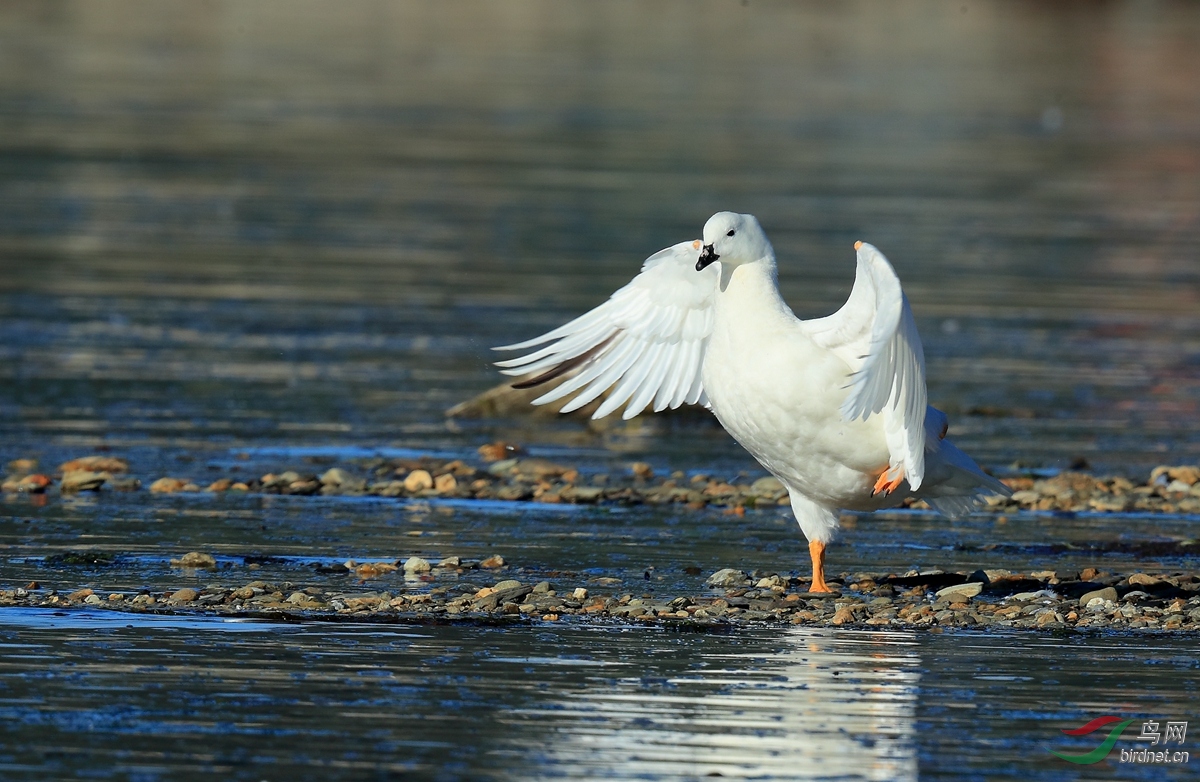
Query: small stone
[[22, 466], [82, 480], [842, 616], [580, 593], [961, 591], [335, 476], [418, 480], [1142, 579], [493, 562], [450, 562], [642, 470], [445, 483], [94, 464], [219, 485], [728, 577], [541, 587], [510, 583], [168, 485], [196, 559], [767, 487], [185, 595], [79, 595], [93, 600], [417, 565], [1108, 593], [1088, 574], [33, 484], [374, 569], [499, 450], [771, 582]]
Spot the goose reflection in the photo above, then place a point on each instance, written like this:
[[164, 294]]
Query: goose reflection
[[809, 704]]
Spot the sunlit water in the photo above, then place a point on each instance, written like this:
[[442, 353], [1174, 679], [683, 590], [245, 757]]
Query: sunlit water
[[243, 237]]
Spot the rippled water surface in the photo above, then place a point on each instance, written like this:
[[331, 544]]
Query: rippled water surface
[[241, 237]]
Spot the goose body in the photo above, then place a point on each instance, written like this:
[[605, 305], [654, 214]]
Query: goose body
[[834, 407]]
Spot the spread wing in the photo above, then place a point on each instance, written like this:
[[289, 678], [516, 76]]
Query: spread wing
[[646, 342], [875, 334]]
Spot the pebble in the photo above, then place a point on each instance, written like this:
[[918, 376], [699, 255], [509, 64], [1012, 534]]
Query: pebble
[[169, 485], [109, 464], [1108, 593], [82, 480], [418, 480], [963, 591], [728, 577], [506, 474], [195, 559], [417, 565], [1171, 606]]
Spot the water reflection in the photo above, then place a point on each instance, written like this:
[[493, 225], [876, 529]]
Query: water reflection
[[822, 705]]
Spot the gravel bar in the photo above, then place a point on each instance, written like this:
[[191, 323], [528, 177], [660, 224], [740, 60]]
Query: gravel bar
[[416, 591], [504, 473]]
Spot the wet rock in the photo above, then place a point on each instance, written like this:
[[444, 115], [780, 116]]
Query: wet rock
[[961, 591], [418, 480], [843, 615], [94, 600], [493, 562], [339, 478], [185, 595], [304, 487], [124, 483], [499, 450], [195, 559], [374, 569], [642, 470], [510, 583], [581, 494], [219, 485], [28, 484], [22, 466], [1108, 593], [79, 594], [1141, 579], [82, 480], [1185, 474], [170, 485], [414, 565], [728, 577], [445, 483], [108, 464]]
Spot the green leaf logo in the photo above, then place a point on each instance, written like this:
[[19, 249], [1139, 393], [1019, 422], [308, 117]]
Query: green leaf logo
[[1100, 752]]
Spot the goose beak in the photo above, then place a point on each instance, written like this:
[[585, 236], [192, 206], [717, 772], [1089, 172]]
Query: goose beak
[[707, 256]]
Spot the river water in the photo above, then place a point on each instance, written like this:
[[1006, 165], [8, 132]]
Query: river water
[[252, 236]]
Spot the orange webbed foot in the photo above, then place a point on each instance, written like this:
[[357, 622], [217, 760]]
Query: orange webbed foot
[[889, 480]]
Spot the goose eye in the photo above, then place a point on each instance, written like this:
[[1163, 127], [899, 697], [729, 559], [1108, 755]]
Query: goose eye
[[731, 232]]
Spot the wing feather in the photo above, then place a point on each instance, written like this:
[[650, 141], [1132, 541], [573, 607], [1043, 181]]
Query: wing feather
[[646, 343], [875, 334]]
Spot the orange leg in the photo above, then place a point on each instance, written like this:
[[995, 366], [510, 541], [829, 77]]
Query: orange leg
[[816, 549], [889, 480]]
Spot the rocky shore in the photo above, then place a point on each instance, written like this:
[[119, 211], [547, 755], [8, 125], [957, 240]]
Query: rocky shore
[[491, 590], [504, 472]]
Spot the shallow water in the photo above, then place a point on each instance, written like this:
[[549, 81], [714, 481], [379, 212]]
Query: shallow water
[[165, 698], [245, 237]]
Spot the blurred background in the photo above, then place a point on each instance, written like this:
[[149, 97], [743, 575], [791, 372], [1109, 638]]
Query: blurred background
[[301, 224]]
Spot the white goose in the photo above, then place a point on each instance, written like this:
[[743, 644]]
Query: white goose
[[834, 407]]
